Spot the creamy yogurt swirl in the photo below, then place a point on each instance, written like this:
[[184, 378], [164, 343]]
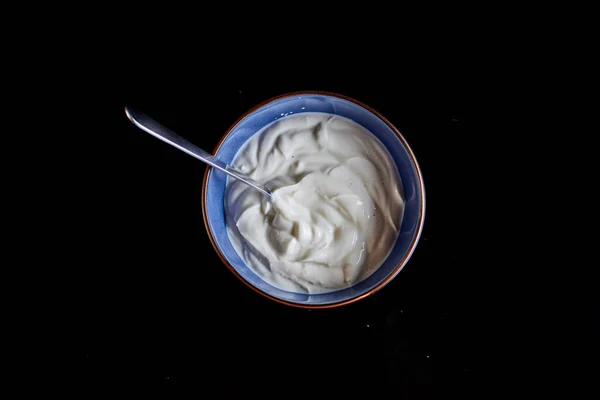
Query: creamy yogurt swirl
[[336, 208]]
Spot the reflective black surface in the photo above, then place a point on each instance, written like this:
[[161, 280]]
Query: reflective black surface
[[160, 310]]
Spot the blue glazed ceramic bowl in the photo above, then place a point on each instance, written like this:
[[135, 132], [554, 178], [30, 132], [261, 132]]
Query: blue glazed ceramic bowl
[[213, 193]]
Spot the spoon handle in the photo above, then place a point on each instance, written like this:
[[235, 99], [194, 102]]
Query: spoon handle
[[157, 130]]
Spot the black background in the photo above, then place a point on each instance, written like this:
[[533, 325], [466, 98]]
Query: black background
[[150, 308], [158, 310]]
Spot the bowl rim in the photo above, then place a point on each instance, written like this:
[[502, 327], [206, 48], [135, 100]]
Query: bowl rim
[[398, 267]]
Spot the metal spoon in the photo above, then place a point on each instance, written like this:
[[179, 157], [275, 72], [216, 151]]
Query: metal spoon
[[149, 125]]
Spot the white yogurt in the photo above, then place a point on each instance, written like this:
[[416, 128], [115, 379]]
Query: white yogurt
[[336, 208]]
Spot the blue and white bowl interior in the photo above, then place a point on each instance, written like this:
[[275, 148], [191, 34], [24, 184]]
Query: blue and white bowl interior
[[296, 104]]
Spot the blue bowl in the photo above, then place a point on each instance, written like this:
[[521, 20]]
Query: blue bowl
[[213, 193]]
